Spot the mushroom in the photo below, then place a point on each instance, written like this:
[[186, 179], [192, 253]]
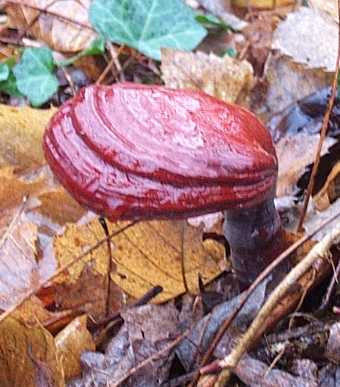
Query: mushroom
[[140, 152]]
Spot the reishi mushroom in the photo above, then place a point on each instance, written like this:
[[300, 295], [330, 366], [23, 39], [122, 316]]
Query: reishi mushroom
[[138, 152]]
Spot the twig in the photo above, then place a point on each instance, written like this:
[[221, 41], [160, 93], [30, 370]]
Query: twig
[[323, 132], [319, 251], [254, 285], [35, 289], [184, 278]]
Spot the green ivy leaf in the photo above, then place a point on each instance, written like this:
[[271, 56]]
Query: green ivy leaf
[[211, 21], [4, 71], [8, 85], [34, 75], [147, 25]]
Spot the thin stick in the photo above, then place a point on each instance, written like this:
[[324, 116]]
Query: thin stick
[[323, 132], [35, 289], [319, 251]]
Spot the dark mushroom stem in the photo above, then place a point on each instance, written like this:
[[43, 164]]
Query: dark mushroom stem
[[256, 238]]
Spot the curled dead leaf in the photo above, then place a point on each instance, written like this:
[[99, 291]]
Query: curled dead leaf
[[62, 27], [225, 78]]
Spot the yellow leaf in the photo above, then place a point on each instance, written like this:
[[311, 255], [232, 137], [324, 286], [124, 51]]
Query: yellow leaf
[[146, 255], [21, 131], [28, 356], [71, 342]]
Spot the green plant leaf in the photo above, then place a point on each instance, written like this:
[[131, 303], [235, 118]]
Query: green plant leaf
[[4, 71], [34, 75], [211, 21], [8, 85], [147, 25]]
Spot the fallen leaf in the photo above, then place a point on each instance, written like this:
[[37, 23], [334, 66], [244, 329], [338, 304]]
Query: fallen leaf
[[146, 255], [28, 356], [71, 342], [59, 206], [146, 330], [317, 31], [63, 27], [262, 3], [315, 218], [287, 82], [330, 190], [18, 265], [294, 153], [329, 6], [225, 78], [21, 132], [14, 188]]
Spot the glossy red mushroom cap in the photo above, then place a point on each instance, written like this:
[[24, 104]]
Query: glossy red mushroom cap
[[132, 151]]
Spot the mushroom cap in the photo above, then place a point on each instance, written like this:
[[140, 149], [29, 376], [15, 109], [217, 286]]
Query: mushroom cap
[[130, 151]]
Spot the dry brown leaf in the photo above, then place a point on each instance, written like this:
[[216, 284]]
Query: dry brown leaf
[[71, 342], [225, 78], [315, 218], [63, 26], [329, 6], [28, 356], [294, 153], [288, 82], [59, 206], [146, 255], [13, 188], [309, 37], [21, 131], [262, 3], [18, 267], [330, 190]]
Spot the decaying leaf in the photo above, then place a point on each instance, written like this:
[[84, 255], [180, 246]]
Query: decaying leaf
[[289, 82], [329, 6], [62, 27], [28, 356], [224, 78], [21, 131], [262, 3], [315, 218], [309, 37], [295, 152], [330, 191], [71, 342], [14, 188], [18, 267], [59, 206], [146, 255]]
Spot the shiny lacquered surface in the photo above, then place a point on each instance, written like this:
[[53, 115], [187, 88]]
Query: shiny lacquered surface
[[135, 152]]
